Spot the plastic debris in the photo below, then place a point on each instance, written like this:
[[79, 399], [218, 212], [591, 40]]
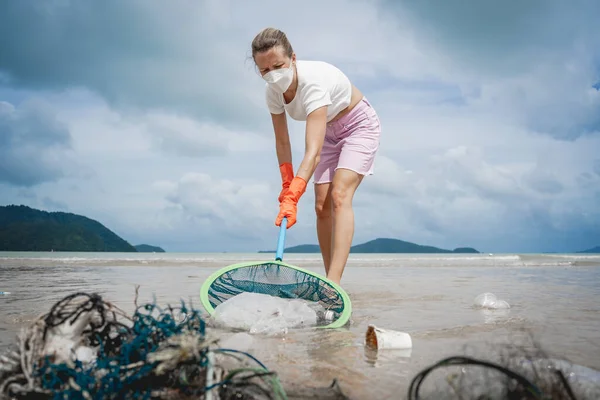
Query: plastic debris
[[490, 301], [378, 338], [259, 313]]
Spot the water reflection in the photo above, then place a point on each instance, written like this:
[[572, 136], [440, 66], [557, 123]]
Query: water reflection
[[491, 316], [382, 358]]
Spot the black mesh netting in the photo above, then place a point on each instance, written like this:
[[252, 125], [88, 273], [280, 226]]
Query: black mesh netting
[[275, 280]]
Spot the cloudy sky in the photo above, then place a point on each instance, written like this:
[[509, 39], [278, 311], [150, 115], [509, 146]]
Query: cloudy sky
[[149, 116]]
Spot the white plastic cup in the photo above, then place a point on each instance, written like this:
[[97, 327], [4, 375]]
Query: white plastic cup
[[378, 338]]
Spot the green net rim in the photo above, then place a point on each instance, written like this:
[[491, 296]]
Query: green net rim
[[338, 323]]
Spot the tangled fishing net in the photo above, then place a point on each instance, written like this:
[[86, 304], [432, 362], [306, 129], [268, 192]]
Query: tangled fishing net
[[87, 348]]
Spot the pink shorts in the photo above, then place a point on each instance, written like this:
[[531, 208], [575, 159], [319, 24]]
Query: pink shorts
[[350, 142]]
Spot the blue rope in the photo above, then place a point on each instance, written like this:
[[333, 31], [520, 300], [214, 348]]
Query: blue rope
[[121, 369], [120, 346], [241, 352]]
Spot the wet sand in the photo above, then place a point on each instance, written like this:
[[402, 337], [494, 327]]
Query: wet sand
[[430, 297]]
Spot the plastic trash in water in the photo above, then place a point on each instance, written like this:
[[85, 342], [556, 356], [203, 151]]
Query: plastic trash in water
[[484, 300], [4, 293], [378, 338], [259, 313], [490, 301]]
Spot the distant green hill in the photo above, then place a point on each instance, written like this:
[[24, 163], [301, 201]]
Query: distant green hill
[[26, 229], [595, 250], [146, 248], [381, 245]]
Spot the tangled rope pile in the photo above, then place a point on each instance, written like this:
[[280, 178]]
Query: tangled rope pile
[[87, 348], [524, 388]]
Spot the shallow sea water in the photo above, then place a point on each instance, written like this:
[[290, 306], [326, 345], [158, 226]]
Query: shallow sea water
[[555, 298]]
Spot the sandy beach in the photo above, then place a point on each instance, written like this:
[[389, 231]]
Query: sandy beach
[[552, 297]]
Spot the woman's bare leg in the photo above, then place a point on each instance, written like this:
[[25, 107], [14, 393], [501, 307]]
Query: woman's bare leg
[[324, 212], [343, 187]]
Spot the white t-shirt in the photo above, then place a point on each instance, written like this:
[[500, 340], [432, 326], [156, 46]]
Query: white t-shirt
[[319, 84]]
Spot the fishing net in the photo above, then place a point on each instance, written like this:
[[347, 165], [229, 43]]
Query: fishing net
[[278, 280], [87, 348]]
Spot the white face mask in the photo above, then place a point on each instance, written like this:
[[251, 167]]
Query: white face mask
[[281, 78]]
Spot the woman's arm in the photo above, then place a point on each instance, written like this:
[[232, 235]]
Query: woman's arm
[[316, 124], [282, 138], [315, 135]]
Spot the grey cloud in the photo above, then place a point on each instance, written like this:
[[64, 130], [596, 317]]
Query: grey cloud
[[33, 145], [543, 182], [54, 205], [557, 101], [410, 90], [136, 54], [597, 166], [535, 62], [226, 203], [27, 193], [177, 136], [587, 181], [218, 213], [180, 138], [460, 197], [504, 37], [467, 168], [10, 194], [187, 148]]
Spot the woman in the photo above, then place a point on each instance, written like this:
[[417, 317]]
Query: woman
[[342, 138]]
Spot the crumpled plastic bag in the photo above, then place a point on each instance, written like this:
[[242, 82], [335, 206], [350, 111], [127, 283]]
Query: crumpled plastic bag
[[490, 301], [259, 313]]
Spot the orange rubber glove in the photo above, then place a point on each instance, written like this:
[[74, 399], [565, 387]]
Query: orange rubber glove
[[289, 205], [287, 174]]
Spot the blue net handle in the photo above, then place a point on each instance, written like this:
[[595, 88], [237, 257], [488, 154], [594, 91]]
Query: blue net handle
[[281, 240]]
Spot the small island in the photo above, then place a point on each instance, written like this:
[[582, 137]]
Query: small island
[[381, 245], [594, 250], [24, 228], [146, 248]]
